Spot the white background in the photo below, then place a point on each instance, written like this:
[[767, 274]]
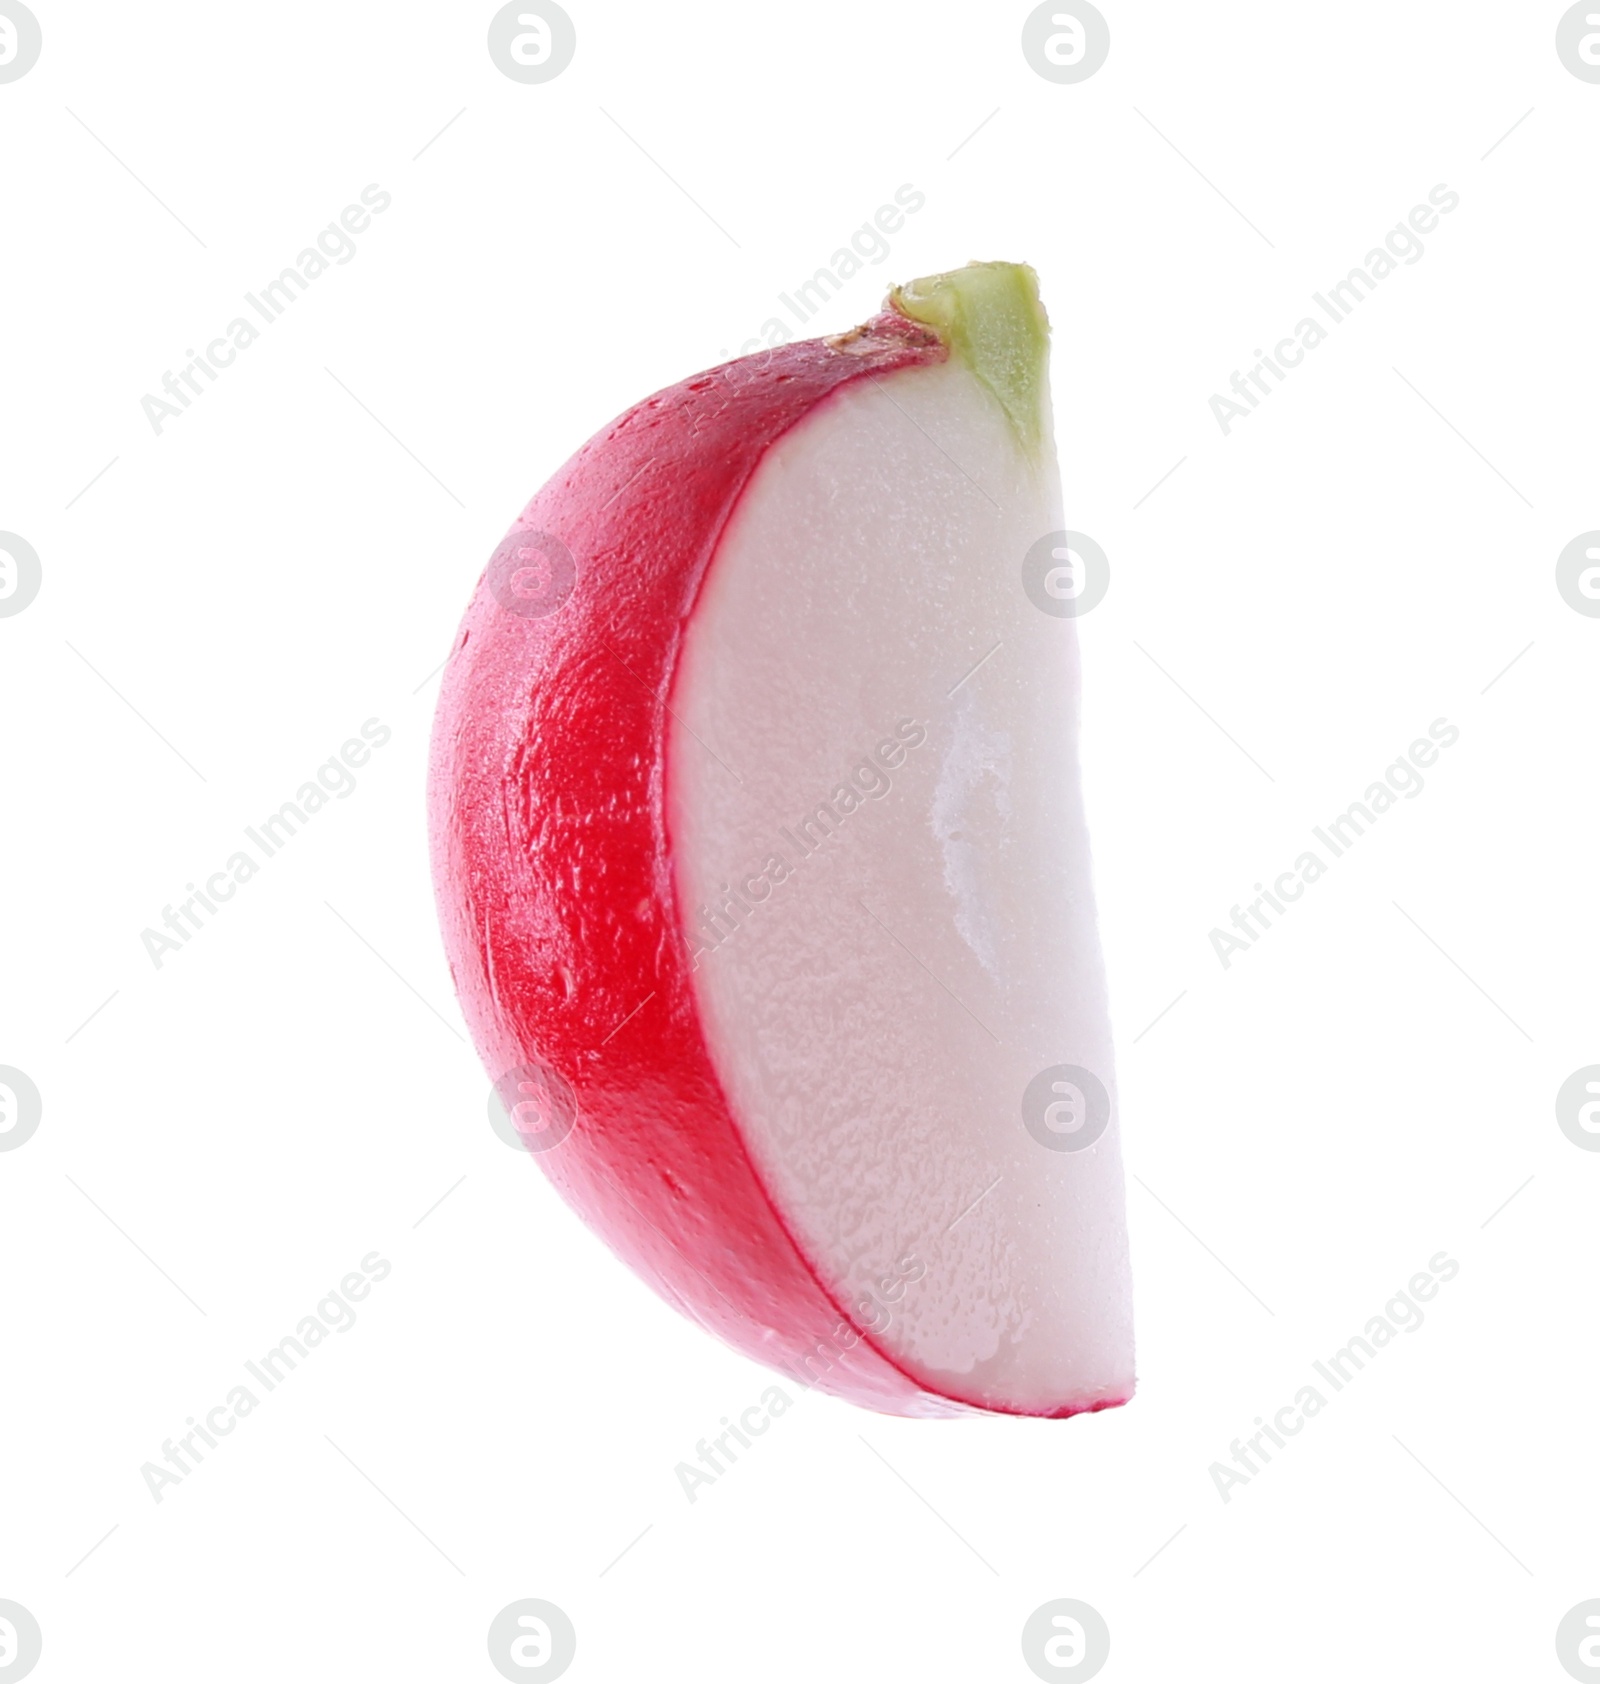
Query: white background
[[278, 1100]]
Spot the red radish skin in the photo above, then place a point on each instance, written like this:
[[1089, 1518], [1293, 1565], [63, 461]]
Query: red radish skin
[[553, 861]]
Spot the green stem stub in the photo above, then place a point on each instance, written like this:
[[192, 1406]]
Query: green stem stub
[[990, 316]]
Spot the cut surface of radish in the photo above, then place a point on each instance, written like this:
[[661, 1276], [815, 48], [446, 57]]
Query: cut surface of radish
[[928, 945], [764, 845]]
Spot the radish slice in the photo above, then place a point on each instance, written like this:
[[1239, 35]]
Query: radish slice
[[763, 873]]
